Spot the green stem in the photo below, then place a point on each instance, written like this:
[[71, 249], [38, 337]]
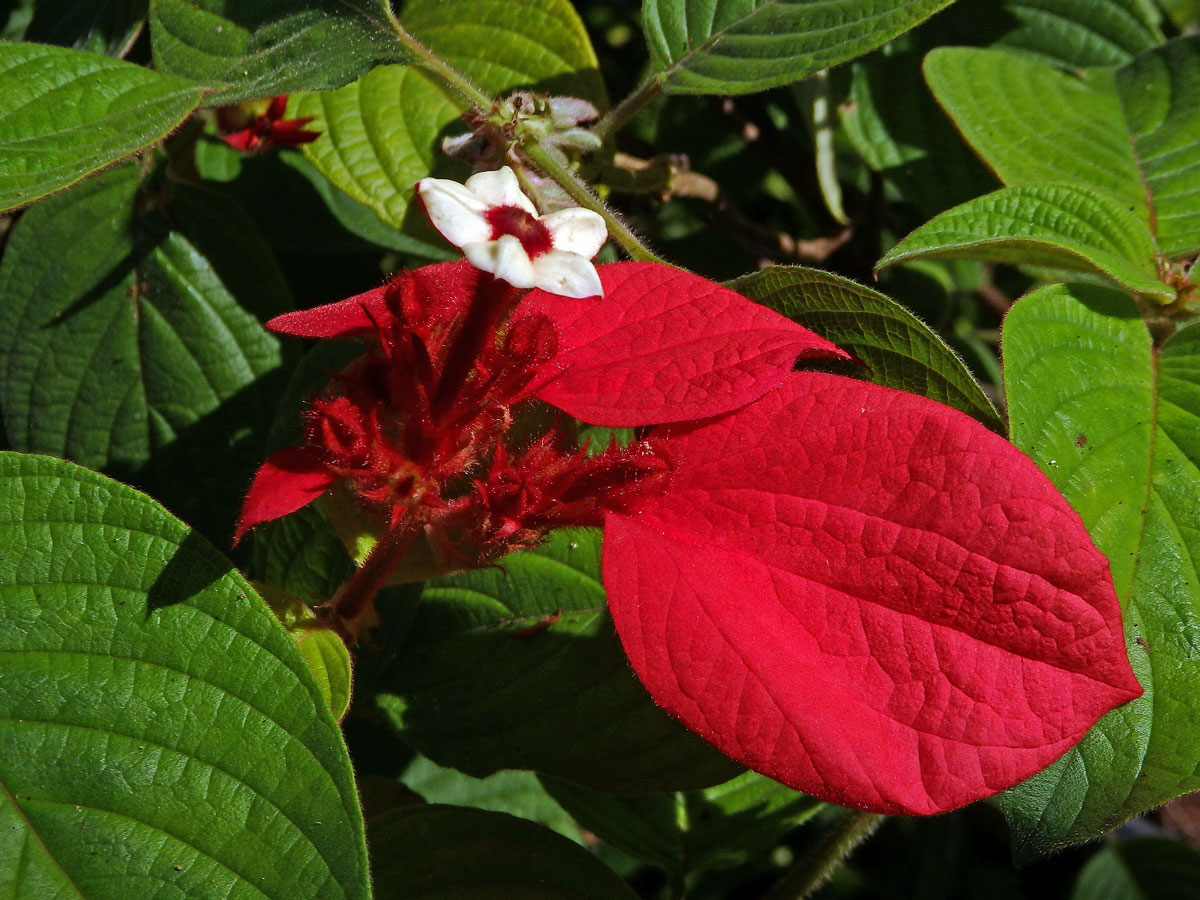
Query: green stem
[[582, 194], [468, 93], [815, 867], [474, 99], [618, 117]]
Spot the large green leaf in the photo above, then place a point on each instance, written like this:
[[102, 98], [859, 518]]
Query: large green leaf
[[1115, 424], [65, 114], [742, 46], [683, 833], [1131, 133], [526, 659], [452, 852], [1144, 869], [257, 48], [159, 733], [1058, 225], [383, 133], [123, 334], [898, 349]]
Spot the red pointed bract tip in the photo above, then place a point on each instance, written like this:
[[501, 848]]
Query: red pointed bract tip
[[868, 596], [243, 130], [286, 482]]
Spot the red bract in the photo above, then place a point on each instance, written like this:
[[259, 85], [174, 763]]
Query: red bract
[[867, 596], [862, 593], [244, 127]]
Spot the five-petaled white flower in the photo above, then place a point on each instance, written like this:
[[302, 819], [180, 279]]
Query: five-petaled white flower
[[500, 232]]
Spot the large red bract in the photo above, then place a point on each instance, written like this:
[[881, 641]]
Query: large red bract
[[868, 596]]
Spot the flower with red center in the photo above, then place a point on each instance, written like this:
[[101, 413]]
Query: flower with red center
[[860, 592], [257, 126], [500, 231]]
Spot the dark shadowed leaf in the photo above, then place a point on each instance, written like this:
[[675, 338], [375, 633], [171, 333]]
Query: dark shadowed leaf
[[526, 658], [128, 338], [452, 852], [899, 350], [258, 48]]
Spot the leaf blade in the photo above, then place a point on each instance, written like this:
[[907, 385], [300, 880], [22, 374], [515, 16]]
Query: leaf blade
[[146, 655], [1116, 433], [731, 47], [752, 607], [56, 127], [1057, 225]]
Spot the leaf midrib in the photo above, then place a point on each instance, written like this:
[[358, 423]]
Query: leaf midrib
[[32, 832]]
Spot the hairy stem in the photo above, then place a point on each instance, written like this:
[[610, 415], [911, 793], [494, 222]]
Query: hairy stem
[[468, 94], [359, 592], [582, 194], [618, 117], [815, 866]]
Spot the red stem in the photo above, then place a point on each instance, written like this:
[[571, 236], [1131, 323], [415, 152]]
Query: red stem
[[490, 301], [373, 574]]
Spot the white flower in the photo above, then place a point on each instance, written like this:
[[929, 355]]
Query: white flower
[[499, 231]]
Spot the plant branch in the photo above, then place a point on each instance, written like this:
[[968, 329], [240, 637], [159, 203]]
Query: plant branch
[[618, 117], [523, 141], [815, 867], [468, 94], [582, 194]]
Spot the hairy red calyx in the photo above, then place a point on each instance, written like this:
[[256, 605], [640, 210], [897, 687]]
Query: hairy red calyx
[[420, 429]]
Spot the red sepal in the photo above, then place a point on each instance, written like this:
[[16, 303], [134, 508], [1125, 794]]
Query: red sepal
[[869, 597], [663, 345], [347, 318], [287, 481]]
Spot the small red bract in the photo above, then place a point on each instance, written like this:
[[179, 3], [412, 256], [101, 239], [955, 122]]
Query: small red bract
[[252, 128], [862, 593]]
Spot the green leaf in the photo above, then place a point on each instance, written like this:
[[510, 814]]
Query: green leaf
[[539, 44], [743, 46], [57, 126], [1114, 425], [1059, 225], [903, 134], [1082, 33], [122, 336], [527, 659], [718, 827], [450, 852], [899, 350], [1160, 95], [1144, 869], [1131, 134], [264, 47], [323, 651], [100, 26], [159, 733], [379, 137], [516, 793], [383, 133]]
